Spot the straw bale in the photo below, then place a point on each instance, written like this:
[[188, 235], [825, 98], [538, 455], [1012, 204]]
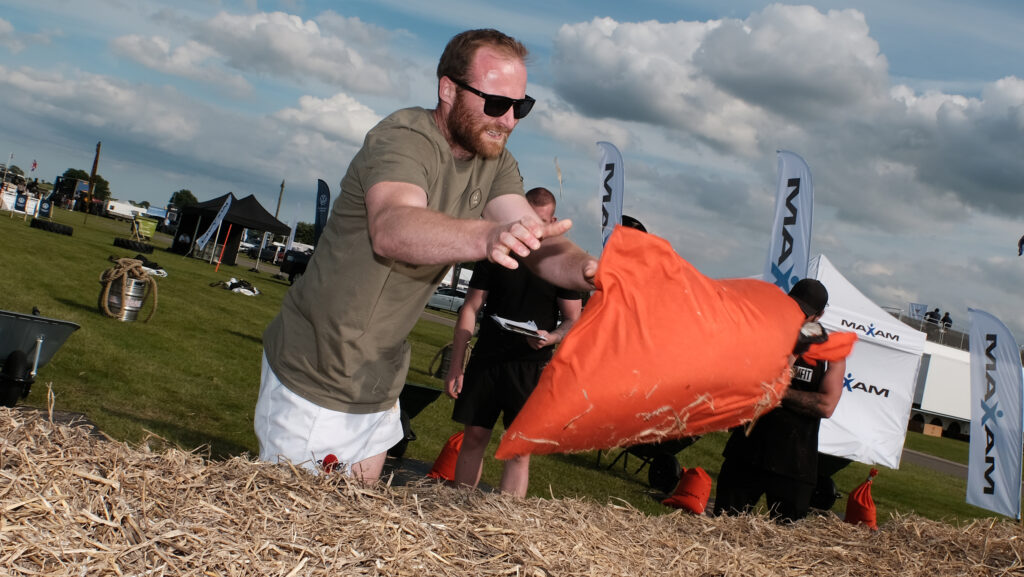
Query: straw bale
[[72, 503]]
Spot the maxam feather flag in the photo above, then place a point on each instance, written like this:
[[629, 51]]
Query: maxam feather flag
[[790, 246], [993, 467], [323, 204], [611, 188]]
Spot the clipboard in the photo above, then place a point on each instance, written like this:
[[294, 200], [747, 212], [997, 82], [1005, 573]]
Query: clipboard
[[527, 328]]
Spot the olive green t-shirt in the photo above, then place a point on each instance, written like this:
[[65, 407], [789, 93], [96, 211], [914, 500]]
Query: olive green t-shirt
[[339, 340]]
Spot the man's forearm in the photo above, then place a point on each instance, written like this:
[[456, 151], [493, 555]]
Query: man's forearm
[[464, 327], [563, 329], [804, 402], [421, 236], [560, 262]]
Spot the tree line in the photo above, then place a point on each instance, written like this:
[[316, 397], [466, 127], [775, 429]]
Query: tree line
[[304, 231]]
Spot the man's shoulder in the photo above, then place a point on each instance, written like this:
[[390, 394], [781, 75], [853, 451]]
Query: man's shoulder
[[414, 120], [414, 117], [407, 134]]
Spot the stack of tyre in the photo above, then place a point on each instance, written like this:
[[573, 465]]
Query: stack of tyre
[[50, 226], [133, 245]]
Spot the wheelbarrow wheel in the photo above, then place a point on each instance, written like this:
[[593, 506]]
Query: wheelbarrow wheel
[[397, 451], [15, 378], [663, 474]]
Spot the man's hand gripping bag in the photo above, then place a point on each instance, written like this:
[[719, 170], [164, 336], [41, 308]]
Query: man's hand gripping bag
[[660, 352]]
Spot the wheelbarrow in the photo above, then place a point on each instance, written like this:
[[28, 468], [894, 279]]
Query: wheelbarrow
[[27, 343], [664, 470]]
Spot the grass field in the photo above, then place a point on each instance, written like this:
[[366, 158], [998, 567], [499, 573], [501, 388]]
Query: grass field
[[190, 376]]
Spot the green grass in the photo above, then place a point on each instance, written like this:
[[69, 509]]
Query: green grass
[[949, 449], [191, 374]]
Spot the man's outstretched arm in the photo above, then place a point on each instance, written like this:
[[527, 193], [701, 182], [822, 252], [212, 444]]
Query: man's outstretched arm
[[403, 228]]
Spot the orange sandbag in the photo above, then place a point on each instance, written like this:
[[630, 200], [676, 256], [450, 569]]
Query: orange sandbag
[[860, 506], [444, 465], [660, 352], [837, 347], [692, 492]]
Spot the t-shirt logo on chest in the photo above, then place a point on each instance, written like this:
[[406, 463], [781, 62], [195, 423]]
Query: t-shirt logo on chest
[[474, 198], [802, 374]]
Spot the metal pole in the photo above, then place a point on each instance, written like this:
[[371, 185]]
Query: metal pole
[[263, 241], [279, 195], [92, 181], [213, 252]]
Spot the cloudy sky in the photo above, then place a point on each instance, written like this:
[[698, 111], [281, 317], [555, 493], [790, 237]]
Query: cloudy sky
[[910, 115]]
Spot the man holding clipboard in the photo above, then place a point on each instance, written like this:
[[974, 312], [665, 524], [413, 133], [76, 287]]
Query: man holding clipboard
[[516, 341]]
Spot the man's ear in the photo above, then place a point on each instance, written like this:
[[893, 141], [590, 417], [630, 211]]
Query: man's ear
[[446, 90]]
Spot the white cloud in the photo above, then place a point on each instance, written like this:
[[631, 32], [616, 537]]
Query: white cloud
[[338, 118], [559, 122], [733, 84], [101, 102], [797, 62], [8, 38], [644, 72], [16, 41], [793, 77], [286, 46], [190, 60]]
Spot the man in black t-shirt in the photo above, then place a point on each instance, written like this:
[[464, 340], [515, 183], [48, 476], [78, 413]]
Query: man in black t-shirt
[[779, 456], [505, 366]]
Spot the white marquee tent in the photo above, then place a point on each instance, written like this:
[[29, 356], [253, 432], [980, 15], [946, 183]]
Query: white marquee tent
[[870, 423]]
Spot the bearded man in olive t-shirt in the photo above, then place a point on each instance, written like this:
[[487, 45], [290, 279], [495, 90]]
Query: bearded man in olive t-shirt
[[429, 188]]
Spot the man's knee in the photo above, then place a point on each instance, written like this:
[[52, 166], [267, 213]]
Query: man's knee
[[368, 470], [476, 437], [520, 462]]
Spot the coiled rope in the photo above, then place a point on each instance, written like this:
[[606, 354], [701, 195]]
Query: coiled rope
[[124, 269]]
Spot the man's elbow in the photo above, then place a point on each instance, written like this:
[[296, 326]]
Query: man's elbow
[[827, 409], [467, 314], [383, 244]]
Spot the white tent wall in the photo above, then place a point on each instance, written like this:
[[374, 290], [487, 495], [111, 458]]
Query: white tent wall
[[946, 385], [870, 423]]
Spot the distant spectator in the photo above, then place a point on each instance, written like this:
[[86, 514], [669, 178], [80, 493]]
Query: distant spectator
[[946, 321], [932, 316]]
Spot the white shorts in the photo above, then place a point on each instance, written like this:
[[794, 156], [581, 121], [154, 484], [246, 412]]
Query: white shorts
[[291, 428]]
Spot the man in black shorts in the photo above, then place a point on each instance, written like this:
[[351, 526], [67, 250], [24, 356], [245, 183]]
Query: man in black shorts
[[505, 366]]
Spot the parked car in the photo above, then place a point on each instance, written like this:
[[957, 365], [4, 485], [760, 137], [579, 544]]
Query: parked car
[[294, 264], [447, 299], [271, 253]]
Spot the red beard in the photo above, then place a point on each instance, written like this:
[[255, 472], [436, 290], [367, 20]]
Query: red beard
[[471, 135]]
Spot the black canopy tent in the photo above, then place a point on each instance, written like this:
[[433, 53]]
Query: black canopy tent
[[244, 213]]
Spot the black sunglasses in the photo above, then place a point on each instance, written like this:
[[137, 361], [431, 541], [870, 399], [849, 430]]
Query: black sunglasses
[[497, 106]]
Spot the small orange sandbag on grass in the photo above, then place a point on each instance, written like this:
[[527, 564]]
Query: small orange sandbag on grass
[[660, 352], [444, 465], [692, 492], [860, 505]]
